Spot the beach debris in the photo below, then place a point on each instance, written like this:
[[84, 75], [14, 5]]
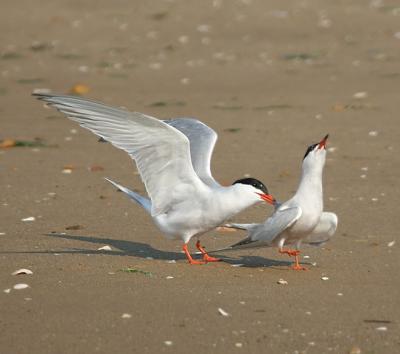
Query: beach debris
[[282, 282], [339, 294], [79, 89], [238, 345], [381, 328], [28, 219], [96, 168], [168, 343], [171, 261], [105, 248], [238, 265], [136, 270], [355, 350], [20, 286], [222, 312], [360, 95], [373, 133], [2, 233], [391, 243], [9, 143], [22, 271], [74, 227], [324, 278], [7, 291], [169, 277], [126, 315]]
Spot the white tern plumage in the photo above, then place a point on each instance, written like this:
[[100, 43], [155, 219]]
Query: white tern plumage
[[173, 159]]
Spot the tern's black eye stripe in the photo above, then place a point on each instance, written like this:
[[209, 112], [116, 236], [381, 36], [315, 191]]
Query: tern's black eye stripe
[[309, 149]]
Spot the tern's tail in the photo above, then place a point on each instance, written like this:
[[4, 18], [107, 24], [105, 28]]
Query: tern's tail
[[142, 201]]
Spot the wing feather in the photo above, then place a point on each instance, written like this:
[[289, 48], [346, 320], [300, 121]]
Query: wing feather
[[161, 152]]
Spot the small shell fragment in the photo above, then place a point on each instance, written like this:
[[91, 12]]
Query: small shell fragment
[[126, 315], [168, 343], [373, 133], [105, 248], [30, 218], [360, 95], [223, 312], [381, 329], [7, 291], [324, 278], [391, 243], [238, 345], [172, 261], [22, 271], [282, 282], [20, 286], [169, 277]]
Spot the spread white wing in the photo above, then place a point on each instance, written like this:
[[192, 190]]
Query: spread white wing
[[161, 152], [202, 141], [263, 235], [324, 230]]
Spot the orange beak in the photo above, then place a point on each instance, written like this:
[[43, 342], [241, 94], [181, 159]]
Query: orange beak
[[322, 143], [267, 198]]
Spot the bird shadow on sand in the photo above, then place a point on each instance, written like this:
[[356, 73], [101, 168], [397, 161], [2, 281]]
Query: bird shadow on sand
[[143, 250]]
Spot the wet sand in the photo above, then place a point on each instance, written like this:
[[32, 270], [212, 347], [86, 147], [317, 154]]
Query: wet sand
[[270, 78]]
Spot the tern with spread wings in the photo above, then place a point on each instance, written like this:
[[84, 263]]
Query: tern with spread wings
[[173, 158], [299, 220]]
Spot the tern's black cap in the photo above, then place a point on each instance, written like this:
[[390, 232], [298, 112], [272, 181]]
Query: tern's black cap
[[253, 182], [309, 149]]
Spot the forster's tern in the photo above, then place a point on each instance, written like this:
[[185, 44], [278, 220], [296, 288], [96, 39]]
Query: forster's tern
[[301, 218], [173, 159]]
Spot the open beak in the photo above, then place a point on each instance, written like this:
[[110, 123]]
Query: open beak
[[322, 143], [267, 198]]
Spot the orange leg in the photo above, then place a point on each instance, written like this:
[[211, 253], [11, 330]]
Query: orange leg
[[206, 257], [294, 253], [189, 257]]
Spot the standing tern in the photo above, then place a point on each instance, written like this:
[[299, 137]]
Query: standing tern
[[301, 218], [173, 159]]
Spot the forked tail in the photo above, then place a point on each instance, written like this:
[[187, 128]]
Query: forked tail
[[137, 198]]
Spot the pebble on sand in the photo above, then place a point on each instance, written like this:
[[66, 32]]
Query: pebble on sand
[[22, 271], [20, 286], [360, 95]]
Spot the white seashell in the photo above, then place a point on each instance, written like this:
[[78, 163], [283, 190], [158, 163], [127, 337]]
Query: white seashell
[[20, 286], [237, 265], [360, 95], [391, 243], [126, 315], [171, 261], [381, 329], [7, 291], [105, 248], [223, 312], [2, 233], [339, 294], [324, 278], [282, 282], [168, 343], [373, 133], [22, 271], [169, 277], [30, 218], [238, 345]]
